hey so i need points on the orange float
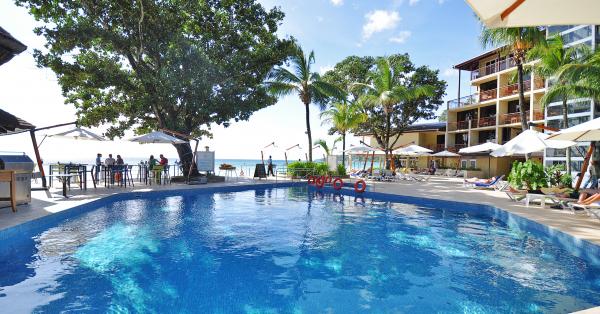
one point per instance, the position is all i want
(320, 182)
(362, 185)
(337, 184)
(311, 180)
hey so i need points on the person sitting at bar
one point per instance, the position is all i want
(119, 161)
(164, 162)
(98, 166)
(151, 162)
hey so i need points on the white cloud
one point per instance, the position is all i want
(449, 72)
(337, 3)
(324, 69)
(401, 37)
(414, 2)
(378, 21)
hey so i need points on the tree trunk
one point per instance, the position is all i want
(522, 99)
(185, 156)
(306, 106)
(387, 140)
(566, 125)
(344, 149)
(521, 86)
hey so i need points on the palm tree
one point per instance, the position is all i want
(515, 41)
(323, 144)
(302, 81)
(385, 89)
(344, 116)
(553, 56)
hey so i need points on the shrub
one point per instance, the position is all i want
(529, 175)
(303, 168)
(554, 174)
(341, 170)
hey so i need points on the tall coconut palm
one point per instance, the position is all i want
(344, 116)
(302, 81)
(385, 89)
(553, 56)
(515, 41)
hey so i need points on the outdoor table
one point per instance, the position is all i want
(66, 179)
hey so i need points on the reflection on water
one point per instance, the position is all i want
(288, 250)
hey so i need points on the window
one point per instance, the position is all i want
(580, 106)
(472, 163)
(557, 123)
(463, 164)
(576, 35)
(554, 29)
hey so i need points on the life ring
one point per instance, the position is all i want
(328, 179)
(320, 182)
(362, 184)
(311, 180)
(337, 184)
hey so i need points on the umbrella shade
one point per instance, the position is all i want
(585, 132)
(445, 153)
(359, 149)
(10, 124)
(9, 46)
(79, 134)
(412, 150)
(520, 13)
(529, 141)
(485, 147)
(157, 137)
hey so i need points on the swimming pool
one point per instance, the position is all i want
(286, 250)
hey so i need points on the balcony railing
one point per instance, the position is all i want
(498, 66)
(515, 117)
(488, 94)
(485, 121)
(513, 89)
(456, 147)
(463, 101)
(461, 125)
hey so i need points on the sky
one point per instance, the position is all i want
(436, 33)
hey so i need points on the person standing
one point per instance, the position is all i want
(110, 161)
(270, 167)
(98, 166)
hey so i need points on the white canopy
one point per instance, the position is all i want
(481, 148)
(157, 137)
(445, 153)
(518, 13)
(359, 150)
(529, 141)
(412, 150)
(585, 132)
(79, 134)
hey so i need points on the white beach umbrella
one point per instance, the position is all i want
(585, 132)
(157, 137)
(359, 150)
(527, 142)
(481, 148)
(519, 13)
(412, 150)
(79, 134)
(445, 153)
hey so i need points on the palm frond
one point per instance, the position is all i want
(280, 89)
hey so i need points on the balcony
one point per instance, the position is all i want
(488, 95)
(515, 117)
(513, 89)
(485, 122)
(499, 65)
(463, 101)
(456, 147)
(461, 125)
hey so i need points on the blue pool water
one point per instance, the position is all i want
(287, 250)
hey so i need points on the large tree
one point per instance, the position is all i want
(147, 64)
(396, 95)
(308, 85)
(515, 42)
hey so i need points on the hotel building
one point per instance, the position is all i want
(490, 110)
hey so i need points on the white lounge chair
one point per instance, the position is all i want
(591, 210)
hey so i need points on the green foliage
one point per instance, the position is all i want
(554, 174)
(443, 117)
(529, 175)
(341, 170)
(308, 85)
(566, 180)
(303, 168)
(180, 65)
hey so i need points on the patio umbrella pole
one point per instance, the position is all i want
(585, 165)
(38, 158)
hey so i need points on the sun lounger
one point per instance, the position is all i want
(516, 195)
(591, 210)
(494, 184)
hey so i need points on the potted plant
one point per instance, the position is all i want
(528, 175)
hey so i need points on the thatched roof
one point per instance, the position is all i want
(9, 46)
